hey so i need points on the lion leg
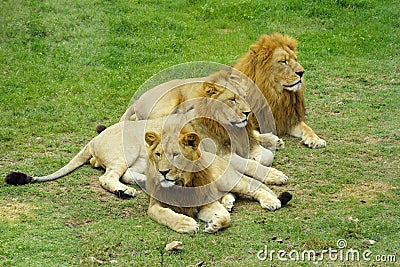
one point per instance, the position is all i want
(269, 140)
(130, 114)
(110, 181)
(175, 221)
(135, 178)
(256, 190)
(307, 135)
(216, 216)
(94, 163)
(228, 201)
(252, 168)
(263, 156)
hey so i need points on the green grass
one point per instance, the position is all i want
(67, 65)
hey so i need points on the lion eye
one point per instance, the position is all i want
(233, 99)
(283, 61)
(174, 155)
(158, 154)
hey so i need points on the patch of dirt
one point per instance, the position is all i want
(364, 191)
(12, 212)
(78, 222)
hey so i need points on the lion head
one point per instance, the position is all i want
(166, 158)
(272, 64)
(228, 107)
(222, 114)
(177, 174)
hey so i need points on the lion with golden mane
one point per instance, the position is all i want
(185, 183)
(272, 64)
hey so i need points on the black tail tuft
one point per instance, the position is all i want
(18, 178)
(100, 128)
(285, 197)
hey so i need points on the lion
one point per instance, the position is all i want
(164, 99)
(119, 149)
(272, 64)
(180, 194)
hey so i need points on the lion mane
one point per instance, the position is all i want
(287, 106)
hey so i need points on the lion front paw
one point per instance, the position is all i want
(219, 221)
(313, 141)
(276, 177)
(187, 225)
(228, 201)
(270, 202)
(125, 194)
(279, 144)
(94, 163)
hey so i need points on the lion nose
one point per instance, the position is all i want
(300, 73)
(164, 173)
(246, 113)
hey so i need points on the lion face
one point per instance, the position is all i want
(171, 159)
(272, 59)
(286, 71)
(230, 108)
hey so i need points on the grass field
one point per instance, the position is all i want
(66, 66)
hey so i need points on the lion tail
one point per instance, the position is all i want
(19, 178)
(285, 197)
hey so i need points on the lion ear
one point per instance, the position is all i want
(151, 138)
(210, 88)
(255, 48)
(190, 139)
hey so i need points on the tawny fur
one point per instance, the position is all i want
(172, 205)
(287, 107)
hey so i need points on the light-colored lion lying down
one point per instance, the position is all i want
(183, 185)
(225, 109)
(227, 86)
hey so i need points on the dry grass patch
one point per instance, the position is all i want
(365, 191)
(13, 212)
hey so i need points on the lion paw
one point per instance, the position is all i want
(313, 142)
(279, 144)
(212, 226)
(187, 225)
(276, 177)
(125, 194)
(270, 203)
(228, 201)
(218, 222)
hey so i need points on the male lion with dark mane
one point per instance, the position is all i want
(272, 64)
